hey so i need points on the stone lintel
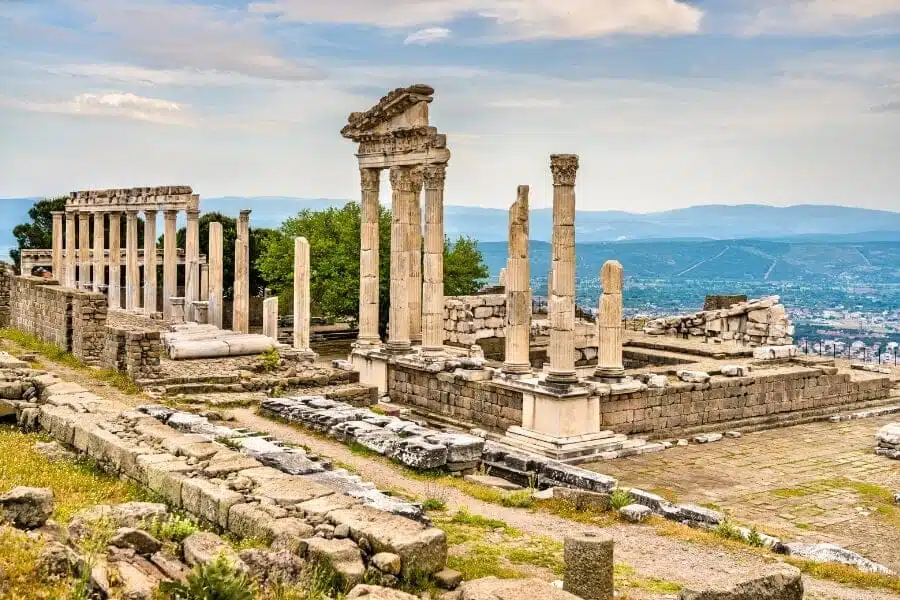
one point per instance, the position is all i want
(386, 161)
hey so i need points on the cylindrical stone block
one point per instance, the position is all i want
(609, 323)
(398, 330)
(433, 271)
(368, 258)
(270, 318)
(57, 265)
(215, 258)
(114, 295)
(301, 293)
(204, 282)
(149, 264)
(191, 262)
(170, 262)
(517, 280)
(241, 315)
(414, 242)
(589, 566)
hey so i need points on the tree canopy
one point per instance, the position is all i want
(38, 233)
(334, 247)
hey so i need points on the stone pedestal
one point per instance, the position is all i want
(562, 279)
(115, 261)
(84, 251)
(57, 265)
(301, 294)
(372, 365)
(609, 324)
(170, 262)
(433, 283)
(589, 566)
(241, 316)
(201, 312)
(150, 279)
(517, 281)
(398, 326)
(369, 259)
(215, 257)
(132, 270)
(270, 318)
(70, 258)
(177, 308)
(414, 244)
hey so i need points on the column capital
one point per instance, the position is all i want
(57, 213)
(170, 213)
(434, 176)
(563, 167)
(131, 212)
(370, 179)
(148, 212)
(193, 213)
(416, 179)
(246, 213)
(401, 180)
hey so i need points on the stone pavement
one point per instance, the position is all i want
(819, 482)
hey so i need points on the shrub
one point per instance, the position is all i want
(754, 539)
(620, 499)
(216, 580)
(728, 531)
(434, 504)
(269, 360)
(172, 528)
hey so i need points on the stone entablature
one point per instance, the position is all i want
(161, 198)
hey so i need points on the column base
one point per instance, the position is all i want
(568, 449)
(609, 374)
(367, 342)
(394, 347)
(516, 368)
(560, 381)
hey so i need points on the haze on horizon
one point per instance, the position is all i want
(669, 103)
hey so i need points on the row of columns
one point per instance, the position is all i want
(78, 270)
(416, 293)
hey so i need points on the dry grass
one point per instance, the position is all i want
(21, 578)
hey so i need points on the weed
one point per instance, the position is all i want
(464, 517)
(216, 580)
(172, 528)
(754, 539)
(19, 565)
(620, 499)
(120, 381)
(728, 531)
(434, 504)
(846, 574)
(518, 499)
(229, 442)
(626, 577)
(269, 360)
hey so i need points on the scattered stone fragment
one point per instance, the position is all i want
(830, 553)
(681, 442)
(491, 588)
(137, 539)
(26, 507)
(733, 434)
(342, 556)
(53, 451)
(693, 513)
(692, 376)
(705, 438)
(448, 579)
(56, 559)
(203, 547)
(736, 370)
(375, 592)
(491, 481)
(387, 562)
(635, 513)
(781, 582)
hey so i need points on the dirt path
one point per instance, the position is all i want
(651, 554)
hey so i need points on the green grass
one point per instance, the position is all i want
(20, 577)
(430, 504)
(791, 492)
(76, 484)
(120, 381)
(620, 499)
(846, 574)
(464, 517)
(626, 577)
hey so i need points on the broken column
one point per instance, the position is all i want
(204, 282)
(98, 280)
(588, 567)
(57, 260)
(301, 294)
(433, 271)
(517, 280)
(132, 270)
(170, 262)
(191, 262)
(414, 241)
(115, 261)
(270, 318)
(215, 274)
(177, 311)
(149, 263)
(84, 250)
(562, 283)
(368, 259)
(241, 314)
(70, 250)
(398, 326)
(609, 323)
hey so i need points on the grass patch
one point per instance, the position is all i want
(434, 504)
(790, 492)
(464, 517)
(620, 499)
(32, 343)
(482, 560)
(120, 381)
(569, 510)
(76, 484)
(21, 577)
(246, 543)
(846, 574)
(626, 577)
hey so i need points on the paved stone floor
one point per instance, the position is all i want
(819, 482)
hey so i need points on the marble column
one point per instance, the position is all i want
(609, 323)
(270, 318)
(114, 296)
(433, 264)
(241, 316)
(414, 246)
(191, 263)
(132, 268)
(170, 261)
(149, 265)
(368, 258)
(84, 251)
(562, 284)
(517, 280)
(70, 250)
(57, 257)
(215, 274)
(204, 282)
(401, 191)
(301, 294)
(98, 280)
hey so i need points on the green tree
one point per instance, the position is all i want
(333, 236)
(38, 233)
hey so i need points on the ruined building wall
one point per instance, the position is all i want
(6, 275)
(88, 326)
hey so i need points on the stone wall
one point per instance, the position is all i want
(135, 353)
(6, 275)
(763, 397)
(42, 308)
(88, 326)
(463, 395)
(470, 319)
(757, 322)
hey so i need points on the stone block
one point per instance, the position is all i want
(781, 582)
(589, 566)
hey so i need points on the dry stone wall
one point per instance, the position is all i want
(135, 353)
(88, 326)
(757, 322)
(6, 275)
(469, 319)
(42, 308)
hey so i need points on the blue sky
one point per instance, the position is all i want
(669, 103)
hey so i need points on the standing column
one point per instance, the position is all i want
(115, 261)
(401, 190)
(84, 250)
(191, 263)
(562, 284)
(301, 294)
(149, 265)
(414, 241)
(241, 316)
(368, 258)
(57, 258)
(132, 269)
(99, 279)
(170, 262)
(215, 274)
(204, 282)
(70, 250)
(517, 280)
(433, 284)
(609, 323)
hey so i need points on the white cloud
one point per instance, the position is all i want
(519, 19)
(123, 105)
(427, 35)
(526, 103)
(830, 17)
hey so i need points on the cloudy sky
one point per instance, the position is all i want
(669, 102)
